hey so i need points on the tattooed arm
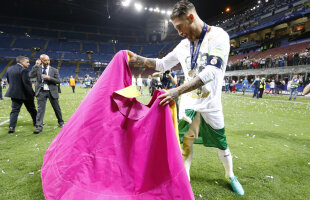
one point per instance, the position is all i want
(174, 93)
(139, 61)
(306, 90)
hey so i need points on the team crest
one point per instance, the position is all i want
(214, 61)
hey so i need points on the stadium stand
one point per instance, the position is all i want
(29, 43)
(5, 41)
(3, 64)
(90, 46)
(67, 69)
(85, 68)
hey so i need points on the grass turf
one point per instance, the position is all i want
(269, 139)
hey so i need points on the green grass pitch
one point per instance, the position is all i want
(269, 139)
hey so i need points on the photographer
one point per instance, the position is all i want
(168, 79)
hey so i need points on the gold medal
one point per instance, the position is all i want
(191, 73)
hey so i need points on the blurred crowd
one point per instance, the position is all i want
(262, 8)
(281, 60)
(259, 85)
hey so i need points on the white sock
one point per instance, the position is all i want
(226, 159)
(187, 163)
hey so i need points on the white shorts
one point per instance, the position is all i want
(214, 118)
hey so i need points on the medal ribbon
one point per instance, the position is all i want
(194, 55)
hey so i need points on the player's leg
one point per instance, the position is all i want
(215, 133)
(291, 94)
(188, 141)
(295, 93)
(226, 158)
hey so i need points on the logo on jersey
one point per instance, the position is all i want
(214, 60)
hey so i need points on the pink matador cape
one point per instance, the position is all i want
(114, 147)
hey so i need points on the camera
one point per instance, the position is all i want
(167, 72)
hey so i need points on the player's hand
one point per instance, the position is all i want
(132, 56)
(46, 77)
(168, 97)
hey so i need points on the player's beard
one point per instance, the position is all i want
(191, 36)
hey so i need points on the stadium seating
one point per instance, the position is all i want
(266, 13)
(53, 55)
(85, 68)
(296, 48)
(151, 48)
(106, 48)
(13, 53)
(3, 64)
(40, 32)
(135, 48)
(5, 41)
(90, 46)
(119, 47)
(67, 69)
(29, 43)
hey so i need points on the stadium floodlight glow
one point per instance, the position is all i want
(138, 7)
(145, 8)
(163, 12)
(266, 1)
(151, 9)
(169, 12)
(156, 10)
(125, 3)
(258, 1)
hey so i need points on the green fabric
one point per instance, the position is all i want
(208, 136)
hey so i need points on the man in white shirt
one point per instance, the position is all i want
(203, 56)
(133, 80)
(272, 87)
(140, 83)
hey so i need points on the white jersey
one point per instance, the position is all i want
(133, 81)
(207, 99)
(139, 82)
(289, 85)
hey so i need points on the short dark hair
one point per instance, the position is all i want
(181, 8)
(21, 58)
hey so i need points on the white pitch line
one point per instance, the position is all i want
(4, 122)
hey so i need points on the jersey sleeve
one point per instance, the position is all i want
(169, 61)
(217, 56)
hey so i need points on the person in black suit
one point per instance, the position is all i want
(1, 89)
(46, 88)
(20, 91)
